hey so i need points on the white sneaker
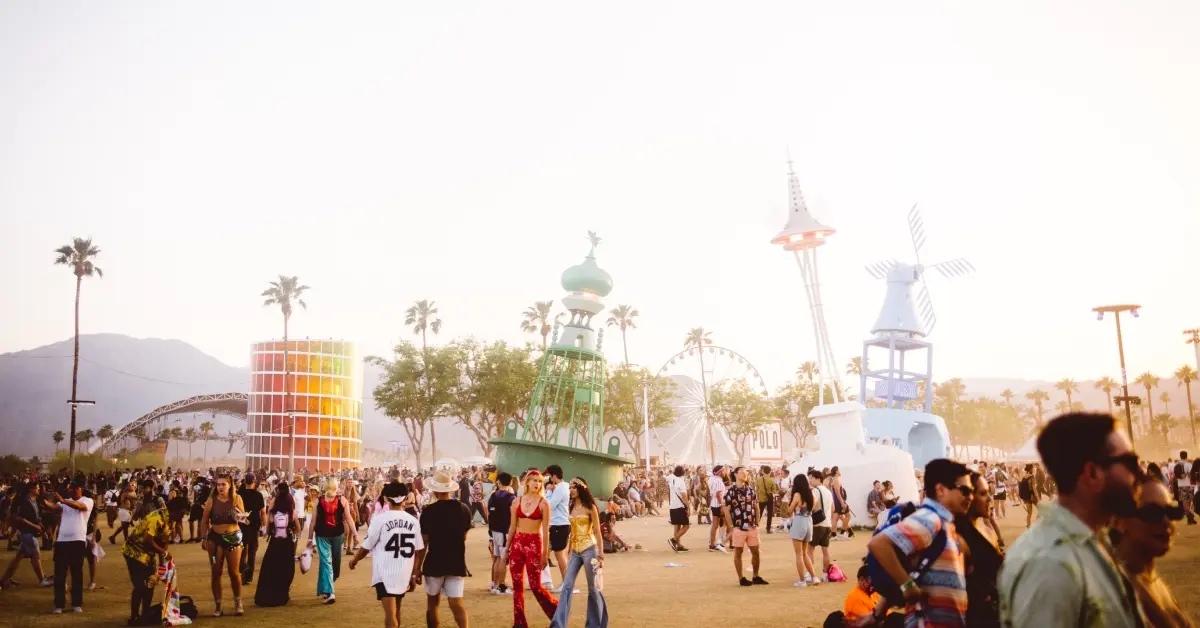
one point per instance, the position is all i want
(46, 582)
(721, 548)
(78, 609)
(800, 584)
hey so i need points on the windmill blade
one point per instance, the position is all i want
(925, 307)
(879, 270)
(954, 268)
(916, 228)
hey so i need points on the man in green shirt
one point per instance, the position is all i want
(766, 488)
(1061, 572)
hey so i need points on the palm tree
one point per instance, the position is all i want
(536, 320)
(854, 366)
(808, 371)
(1108, 386)
(79, 255)
(1148, 381)
(104, 433)
(283, 293)
(85, 437)
(189, 435)
(696, 339)
(1007, 395)
(1069, 388)
(1186, 375)
(622, 317)
(1038, 397)
(58, 437)
(422, 315)
(206, 432)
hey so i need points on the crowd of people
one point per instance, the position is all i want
(1098, 518)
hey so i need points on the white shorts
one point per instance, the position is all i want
(450, 586)
(499, 547)
(124, 516)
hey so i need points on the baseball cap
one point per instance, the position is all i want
(395, 492)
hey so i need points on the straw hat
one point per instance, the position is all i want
(441, 482)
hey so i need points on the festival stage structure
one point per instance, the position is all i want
(564, 423)
(323, 398)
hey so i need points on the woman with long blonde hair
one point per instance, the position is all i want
(222, 539)
(529, 546)
(332, 524)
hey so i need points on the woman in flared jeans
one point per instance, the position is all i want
(586, 553)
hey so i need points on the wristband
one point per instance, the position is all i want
(909, 584)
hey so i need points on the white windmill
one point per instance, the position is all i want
(902, 328)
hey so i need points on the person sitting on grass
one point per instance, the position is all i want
(859, 608)
(608, 529)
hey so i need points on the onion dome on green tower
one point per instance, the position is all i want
(587, 276)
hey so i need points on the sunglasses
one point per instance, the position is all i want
(1157, 513)
(1127, 460)
(966, 490)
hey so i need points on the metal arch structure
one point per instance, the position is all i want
(697, 421)
(231, 404)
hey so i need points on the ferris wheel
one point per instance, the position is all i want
(697, 373)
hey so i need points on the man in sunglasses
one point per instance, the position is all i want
(937, 594)
(1062, 571)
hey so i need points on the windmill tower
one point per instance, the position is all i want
(803, 235)
(900, 330)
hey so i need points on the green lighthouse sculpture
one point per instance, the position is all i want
(564, 423)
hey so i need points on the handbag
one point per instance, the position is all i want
(305, 560)
(819, 515)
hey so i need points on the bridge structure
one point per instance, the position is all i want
(232, 404)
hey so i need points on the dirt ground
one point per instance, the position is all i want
(640, 587)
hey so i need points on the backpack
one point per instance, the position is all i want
(1025, 489)
(153, 615)
(880, 579)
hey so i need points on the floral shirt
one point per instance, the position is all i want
(477, 491)
(153, 525)
(742, 502)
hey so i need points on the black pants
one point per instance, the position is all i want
(68, 555)
(142, 595)
(249, 551)
(768, 510)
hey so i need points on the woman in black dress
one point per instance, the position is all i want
(279, 562)
(983, 557)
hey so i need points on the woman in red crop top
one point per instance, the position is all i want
(528, 543)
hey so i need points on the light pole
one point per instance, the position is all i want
(1194, 339)
(75, 403)
(1124, 398)
(646, 418)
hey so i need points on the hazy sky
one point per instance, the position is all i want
(460, 151)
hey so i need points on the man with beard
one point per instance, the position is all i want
(1062, 571)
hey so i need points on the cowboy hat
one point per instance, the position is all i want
(441, 482)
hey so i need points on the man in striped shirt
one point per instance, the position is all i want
(938, 597)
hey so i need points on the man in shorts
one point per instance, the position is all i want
(741, 515)
(716, 497)
(395, 544)
(677, 502)
(125, 506)
(499, 518)
(558, 494)
(823, 531)
(444, 527)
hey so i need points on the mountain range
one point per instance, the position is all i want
(128, 377)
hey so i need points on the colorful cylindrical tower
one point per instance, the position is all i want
(323, 396)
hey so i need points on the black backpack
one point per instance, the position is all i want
(153, 615)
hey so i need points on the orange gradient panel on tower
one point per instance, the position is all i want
(323, 394)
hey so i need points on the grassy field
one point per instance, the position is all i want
(640, 588)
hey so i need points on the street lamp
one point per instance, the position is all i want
(1125, 398)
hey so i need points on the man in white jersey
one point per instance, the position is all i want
(396, 548)
(71, 544)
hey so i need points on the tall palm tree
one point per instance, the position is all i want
(808, 371)
(189, 435)
(104, 433)
(696, 339)
(1186, 375)
(423, 316)
(283, 293)
(622, 317)
(206, 432)
(536, 320)
(80, 256)
(1007, 395)
(58, 437)
(1148, 381)
(1069, 388)
(85, 437)
(1108, 385)
(854, 366)
(1038, 397)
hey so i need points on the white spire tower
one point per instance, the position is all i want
(802, 235)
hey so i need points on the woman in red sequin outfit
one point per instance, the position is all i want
(528, 546)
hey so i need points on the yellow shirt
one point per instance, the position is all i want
(137, 547)
(581, 533)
